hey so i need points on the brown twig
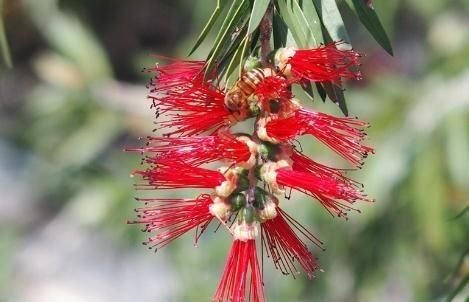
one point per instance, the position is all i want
(265, 34)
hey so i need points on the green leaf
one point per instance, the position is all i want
(336, 94)
(370, 20)
(280, 31)
(216, 13)
(314, 21)
(332, 19)
(236, 18)
(258, 12)
(296, 28)
(462, 213)
(4, 49)
(322, 93)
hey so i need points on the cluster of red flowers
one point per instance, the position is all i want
(242, 194)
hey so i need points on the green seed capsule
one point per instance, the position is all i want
(237, 201)
(247, 214)
(243, 184)
(260, 196)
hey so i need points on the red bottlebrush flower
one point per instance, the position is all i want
(194, 109)
(170, 174)
(322, 64)
(274, 94)
(200, 150)
(284, 246)
(171, 218)
(341, 134)
(232, 286)
(332, 193)
(303, 163)
(174, 75)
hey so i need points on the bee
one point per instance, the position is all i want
(237, 97)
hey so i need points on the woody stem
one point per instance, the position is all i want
(265, 34)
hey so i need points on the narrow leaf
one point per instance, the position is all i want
(230, 30)
(336, 94)
(313, 20)
(370, 20)
(332, 20)
(322, 93)
(216, 13)
(295, 27)
(280, 31)
(4, 49)
(258, 12)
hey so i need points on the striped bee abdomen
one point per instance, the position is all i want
(237, 97)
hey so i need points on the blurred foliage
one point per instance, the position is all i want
(75, 98)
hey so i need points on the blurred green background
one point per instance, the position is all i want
(76, 97)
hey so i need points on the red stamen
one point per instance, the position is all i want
(197, 150)
(325, 64)
(341, 134)
(281, 242)
(334, 194)
(232, 286)
(169, 174)
(171, 218)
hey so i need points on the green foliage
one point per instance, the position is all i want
(4, 50)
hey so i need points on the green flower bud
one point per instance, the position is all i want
(237, 201)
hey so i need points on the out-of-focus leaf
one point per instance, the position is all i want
(65, 32)
(213, 18)
(462, 213)
(336, 94)
(332, 19)
(458, 289)
(370, 20)
(4, 49)
(258, 11)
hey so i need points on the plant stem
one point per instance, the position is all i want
(265, 34)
